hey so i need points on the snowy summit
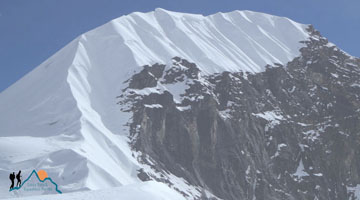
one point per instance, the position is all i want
(64, 114)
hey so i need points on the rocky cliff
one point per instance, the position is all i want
(290, 132)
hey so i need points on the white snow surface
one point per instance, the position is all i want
(300, 171)
(63, 116)
(234, 41)
(355, 191)
(273, 117)
(148, 190)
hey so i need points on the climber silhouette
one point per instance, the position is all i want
(12, 178)
(18, 178)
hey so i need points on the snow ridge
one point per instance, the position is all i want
(67, 105)
(234, 41)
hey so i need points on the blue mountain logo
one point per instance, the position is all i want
(41, 176)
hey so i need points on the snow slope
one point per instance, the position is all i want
(63, 115)
(148, 190)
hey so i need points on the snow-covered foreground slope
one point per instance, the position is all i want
(63, 116)
(149, 190)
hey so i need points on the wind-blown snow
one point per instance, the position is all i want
(63, 116)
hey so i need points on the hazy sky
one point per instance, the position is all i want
(33, 30)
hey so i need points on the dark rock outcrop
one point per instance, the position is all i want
(291, 132)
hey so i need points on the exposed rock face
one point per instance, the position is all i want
(291, 132)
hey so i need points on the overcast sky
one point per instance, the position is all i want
(31, 31)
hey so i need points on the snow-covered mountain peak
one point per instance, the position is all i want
(67, 106)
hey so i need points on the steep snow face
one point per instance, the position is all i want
(239, 40)
(64, 113)
(93, 66)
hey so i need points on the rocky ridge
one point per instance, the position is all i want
(290, 132)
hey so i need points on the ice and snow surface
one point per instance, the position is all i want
(148, 190)
(273, 117)
(300, 171)
(355, 191)
(239, 40)
(63, 116)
